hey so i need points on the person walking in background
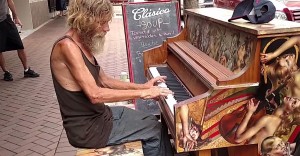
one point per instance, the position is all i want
(61, 5)
(11, 40)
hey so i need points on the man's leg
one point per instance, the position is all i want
(2, 62)
(130, 125)
(23, 58)
(27, 71)
(7, 75)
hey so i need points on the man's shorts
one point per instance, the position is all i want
(9, 36)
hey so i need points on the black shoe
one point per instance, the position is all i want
(30, 73)
(8, 76)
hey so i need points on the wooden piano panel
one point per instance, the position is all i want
(217, 98)
(189, 79)
(222, 43)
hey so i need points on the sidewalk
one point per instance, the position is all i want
(30, 121)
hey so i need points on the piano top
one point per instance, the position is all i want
(221, 16)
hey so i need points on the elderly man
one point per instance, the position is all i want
(82, 87)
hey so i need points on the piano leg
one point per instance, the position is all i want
(203, 153)
(246, 150)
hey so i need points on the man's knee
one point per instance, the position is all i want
(155, 130)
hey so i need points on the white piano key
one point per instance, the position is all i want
(154, 72)
(170, 100)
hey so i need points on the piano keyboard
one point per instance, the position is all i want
(180, 93)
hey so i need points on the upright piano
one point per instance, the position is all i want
(213, 66)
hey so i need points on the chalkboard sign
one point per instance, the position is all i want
(146, 26)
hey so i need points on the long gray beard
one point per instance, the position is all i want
(97, 45)
(94, 44)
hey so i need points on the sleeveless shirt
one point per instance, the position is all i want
(87, 125)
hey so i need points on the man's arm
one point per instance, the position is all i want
(285, 46)
(252, 131)
(12, 7)
(112, 83)
(72, 58)
(188, 141)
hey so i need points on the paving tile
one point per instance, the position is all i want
(55, 115)
(29, 140)
(36, 154)
(14, 140)
(50, 130)
(25, 153)
(65, 149)
(25, 147)
(4, 116)
(43, 142)
(71, 153)
(18, 134)
(53, 145)
(25, 123)
(50, 153)
(5, 152)
(64, 144)
(32, 134)
(46, 136)
(8, 145)
(51, 125)
(40, 149)
(55, 139)
(53, 120)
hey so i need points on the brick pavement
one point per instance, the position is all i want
(30, 121)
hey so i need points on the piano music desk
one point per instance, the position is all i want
(217, 66)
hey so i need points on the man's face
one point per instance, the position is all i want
(95, 39)
(98, 38)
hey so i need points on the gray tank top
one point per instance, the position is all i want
(3, 10)
(87, 125)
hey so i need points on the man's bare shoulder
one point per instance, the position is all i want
(66, 45)
(65, 50)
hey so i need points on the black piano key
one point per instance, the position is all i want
(180, 93)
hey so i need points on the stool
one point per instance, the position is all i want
(126, 149)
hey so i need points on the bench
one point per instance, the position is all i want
(126, 149)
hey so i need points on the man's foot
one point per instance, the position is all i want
(8, 76)
(30, 73)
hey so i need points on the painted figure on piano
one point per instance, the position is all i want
(282, 118)
(281, 63)
(230, 48)
(225, 59)
(279, 123)
(275, 146)
(189, 135)
(230, 104)
(199, 36)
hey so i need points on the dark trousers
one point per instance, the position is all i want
(130, 125)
